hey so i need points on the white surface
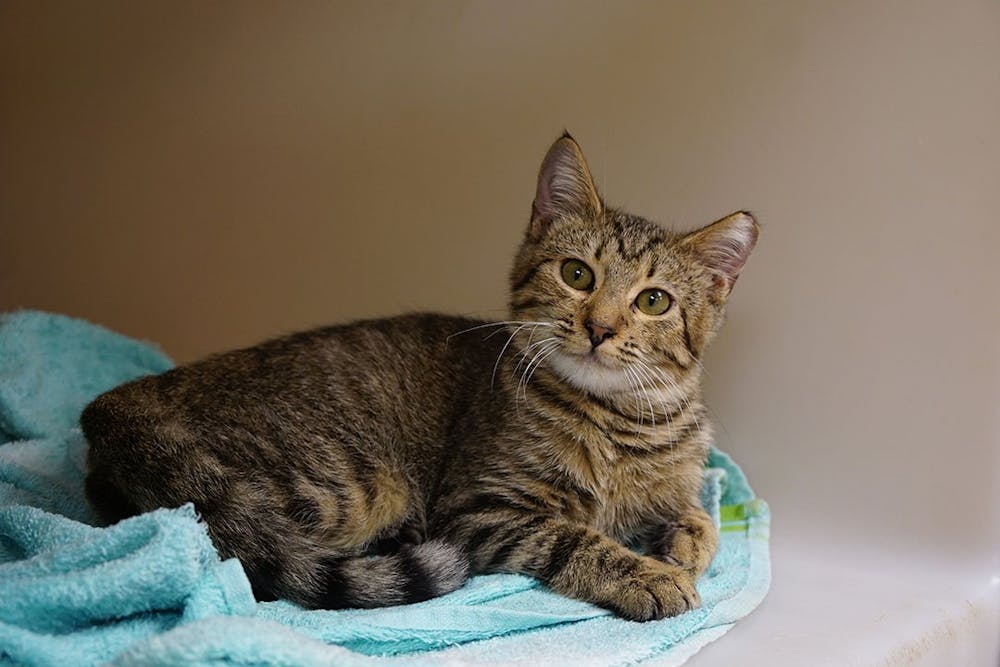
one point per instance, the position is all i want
(847, 604)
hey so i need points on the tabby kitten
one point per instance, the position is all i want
(382, 462)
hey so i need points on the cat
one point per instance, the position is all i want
(382, 462)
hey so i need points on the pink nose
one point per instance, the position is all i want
(598, 332)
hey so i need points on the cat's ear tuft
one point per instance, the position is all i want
(724, 246)
(565, 186)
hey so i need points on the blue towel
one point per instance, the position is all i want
(152, 590)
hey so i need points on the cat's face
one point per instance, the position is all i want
(622, 304)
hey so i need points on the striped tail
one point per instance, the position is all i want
(412, 574)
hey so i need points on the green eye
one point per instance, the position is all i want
(653, 301)
(577, 274)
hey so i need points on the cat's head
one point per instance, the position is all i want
(623, 301)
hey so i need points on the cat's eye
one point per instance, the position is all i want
(577, 274)
(653, 301)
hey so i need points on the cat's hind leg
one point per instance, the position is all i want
(284, 561)
(102, 425)
(107, 500)
(323, 542)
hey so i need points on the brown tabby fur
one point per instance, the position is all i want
(383, 461)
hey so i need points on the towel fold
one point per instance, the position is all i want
(152, 590)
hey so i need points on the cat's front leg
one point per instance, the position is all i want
(578, 562)
(689, 541)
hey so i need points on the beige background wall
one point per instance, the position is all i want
(209, 174)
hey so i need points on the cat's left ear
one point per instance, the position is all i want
(723, 247)
(565, 186)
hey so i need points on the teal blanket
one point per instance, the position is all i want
(152, 590)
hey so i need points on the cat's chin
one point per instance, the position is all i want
(590, 373)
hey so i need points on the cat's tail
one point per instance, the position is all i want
(412, 574)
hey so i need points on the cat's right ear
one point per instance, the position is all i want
(723, 248)
(565, 187)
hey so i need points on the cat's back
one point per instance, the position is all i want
(367, 350)
(390, 371)
(303, 403)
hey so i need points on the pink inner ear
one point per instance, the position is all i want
(733, 254)
(725, 246)
(565, 185)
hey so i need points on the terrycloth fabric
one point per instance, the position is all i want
(151, 590)
(52, 366)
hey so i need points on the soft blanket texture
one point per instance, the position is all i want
(151, 590)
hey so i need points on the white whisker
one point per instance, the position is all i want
(504, 349)
(645, 394)
(642, 372)
(675, 388)
(538, 363)
(630, 376)
(532, 366)
(527, 366)
(524, 352)
(659, 387)
(497, 324)
(700, 365)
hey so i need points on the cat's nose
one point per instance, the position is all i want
(598, 332)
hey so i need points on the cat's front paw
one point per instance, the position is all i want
(655, 592)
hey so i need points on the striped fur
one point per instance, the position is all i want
(383, 461)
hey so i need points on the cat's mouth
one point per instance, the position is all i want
(596, 357)
(592, 371)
